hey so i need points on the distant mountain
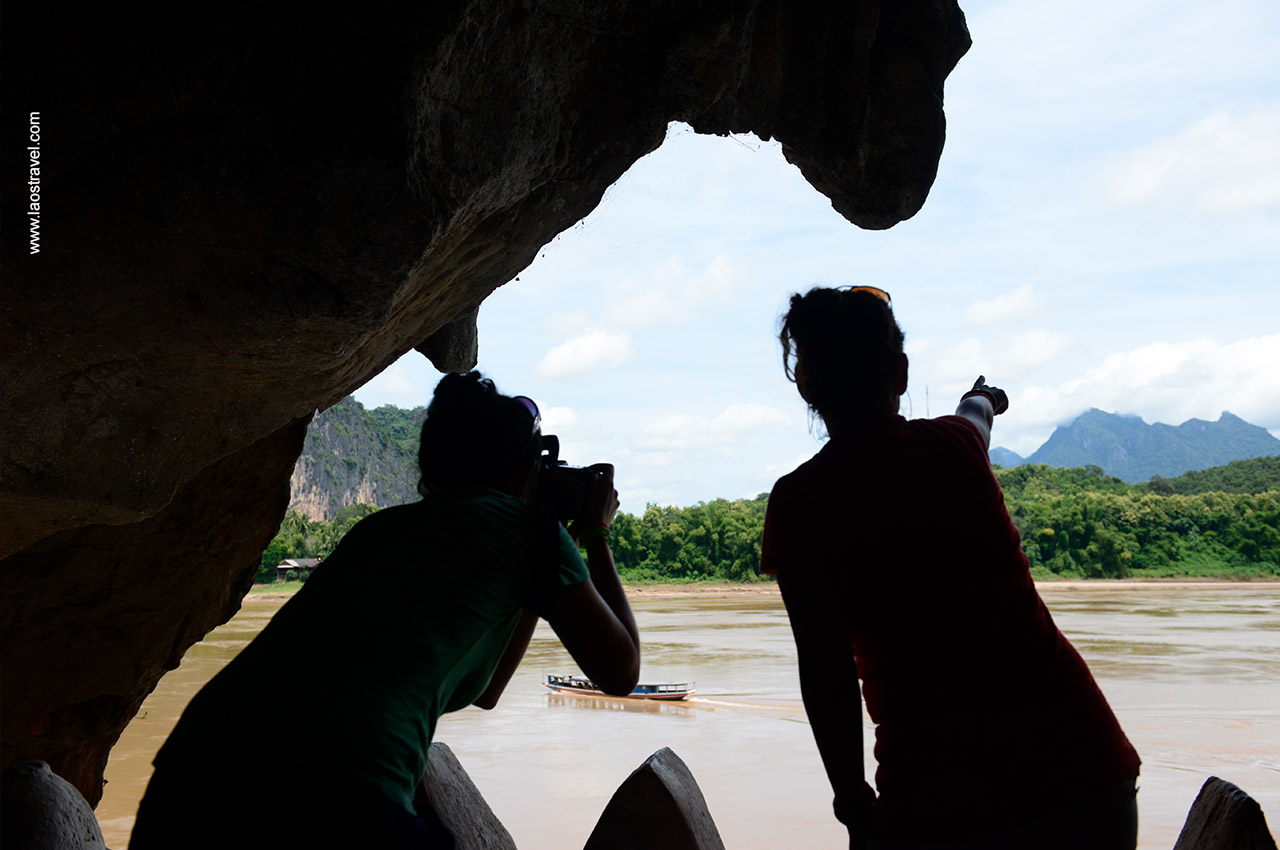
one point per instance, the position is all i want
(1129, 448)
(357, 456)
(1008, 458)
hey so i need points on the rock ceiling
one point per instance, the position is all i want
(246, 217)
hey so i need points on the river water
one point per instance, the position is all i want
(1192, 673)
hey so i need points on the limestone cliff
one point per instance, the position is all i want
(357, 456)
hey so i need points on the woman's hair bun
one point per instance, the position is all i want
(461, 387)
(473, 435)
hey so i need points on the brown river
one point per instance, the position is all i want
(1193, 674)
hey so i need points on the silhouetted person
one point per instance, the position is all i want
(316, 734)
(899, 566)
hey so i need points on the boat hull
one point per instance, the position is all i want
(584, 687)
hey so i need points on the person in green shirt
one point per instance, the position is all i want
(422, 609)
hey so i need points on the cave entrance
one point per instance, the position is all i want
(646, 332)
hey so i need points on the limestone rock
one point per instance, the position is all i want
(248, 217)
(80, 659)
(1224, 818)
(458, 805)
(660, 802)
(456, 346)
(40, 810)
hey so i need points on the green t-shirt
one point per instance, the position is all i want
(405, 621)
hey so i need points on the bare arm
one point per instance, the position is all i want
(832, 696)
(982, 404)
(977, 409)
(593, 618)
(510, 660)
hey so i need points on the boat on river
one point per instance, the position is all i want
(656, 690)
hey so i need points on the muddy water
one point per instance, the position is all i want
(1193, 674)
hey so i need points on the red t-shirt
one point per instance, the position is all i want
(985, 714)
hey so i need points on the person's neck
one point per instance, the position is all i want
(840, 427)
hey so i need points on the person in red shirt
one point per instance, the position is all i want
(905, 582)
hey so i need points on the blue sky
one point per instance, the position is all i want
(1104, 232)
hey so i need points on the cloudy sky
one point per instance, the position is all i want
(1104, 232)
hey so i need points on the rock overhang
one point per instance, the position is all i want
(250, 216)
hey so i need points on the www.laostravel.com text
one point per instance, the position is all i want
(33, 182)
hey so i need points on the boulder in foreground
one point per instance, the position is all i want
(1224, 818)
(40, 810)
(458, 805)
(660, 803)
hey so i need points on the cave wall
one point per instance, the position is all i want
(248, 215)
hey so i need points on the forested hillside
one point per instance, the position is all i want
(1075, 523)
(1082, 522)
(1256, 475)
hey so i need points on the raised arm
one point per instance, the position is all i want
(981, 405)
(593, 618)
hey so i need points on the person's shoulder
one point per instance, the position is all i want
(389, 516)
(478, 500)
(797, 479)
(952, 428)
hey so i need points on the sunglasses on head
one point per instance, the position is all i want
(874, 291)
(532, 408)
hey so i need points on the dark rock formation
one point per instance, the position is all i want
(660, 798)
(40, 810)
(248, 215)
(93, 617)
(448, 792)
(1224, 818)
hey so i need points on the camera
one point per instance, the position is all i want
(560, 485)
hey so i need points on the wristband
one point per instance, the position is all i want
(598, 530)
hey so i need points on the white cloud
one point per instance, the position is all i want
(556, 418)
(566, 322)
(689, 431)
(1018, 305)
(408, 382)
(1223, 162)
(673, 294)
(951, 368)
(586, 353)
(1164, 382)
(774, 471)
(1033, 349)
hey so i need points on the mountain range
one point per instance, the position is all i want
(358, 456)
(1130, 449)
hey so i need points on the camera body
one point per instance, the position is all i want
(560, 485)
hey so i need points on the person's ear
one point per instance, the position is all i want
(900, 375)
(800, 380)
(524, 483)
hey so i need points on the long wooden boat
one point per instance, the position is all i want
(657, 690)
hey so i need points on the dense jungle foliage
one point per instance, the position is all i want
(1075, 523)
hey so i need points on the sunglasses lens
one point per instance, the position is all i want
(532, 408)
(872, 290)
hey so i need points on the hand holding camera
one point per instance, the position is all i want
(601, 503)
(581, 494)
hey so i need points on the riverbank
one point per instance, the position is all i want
(724, 590)
(731, 590)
